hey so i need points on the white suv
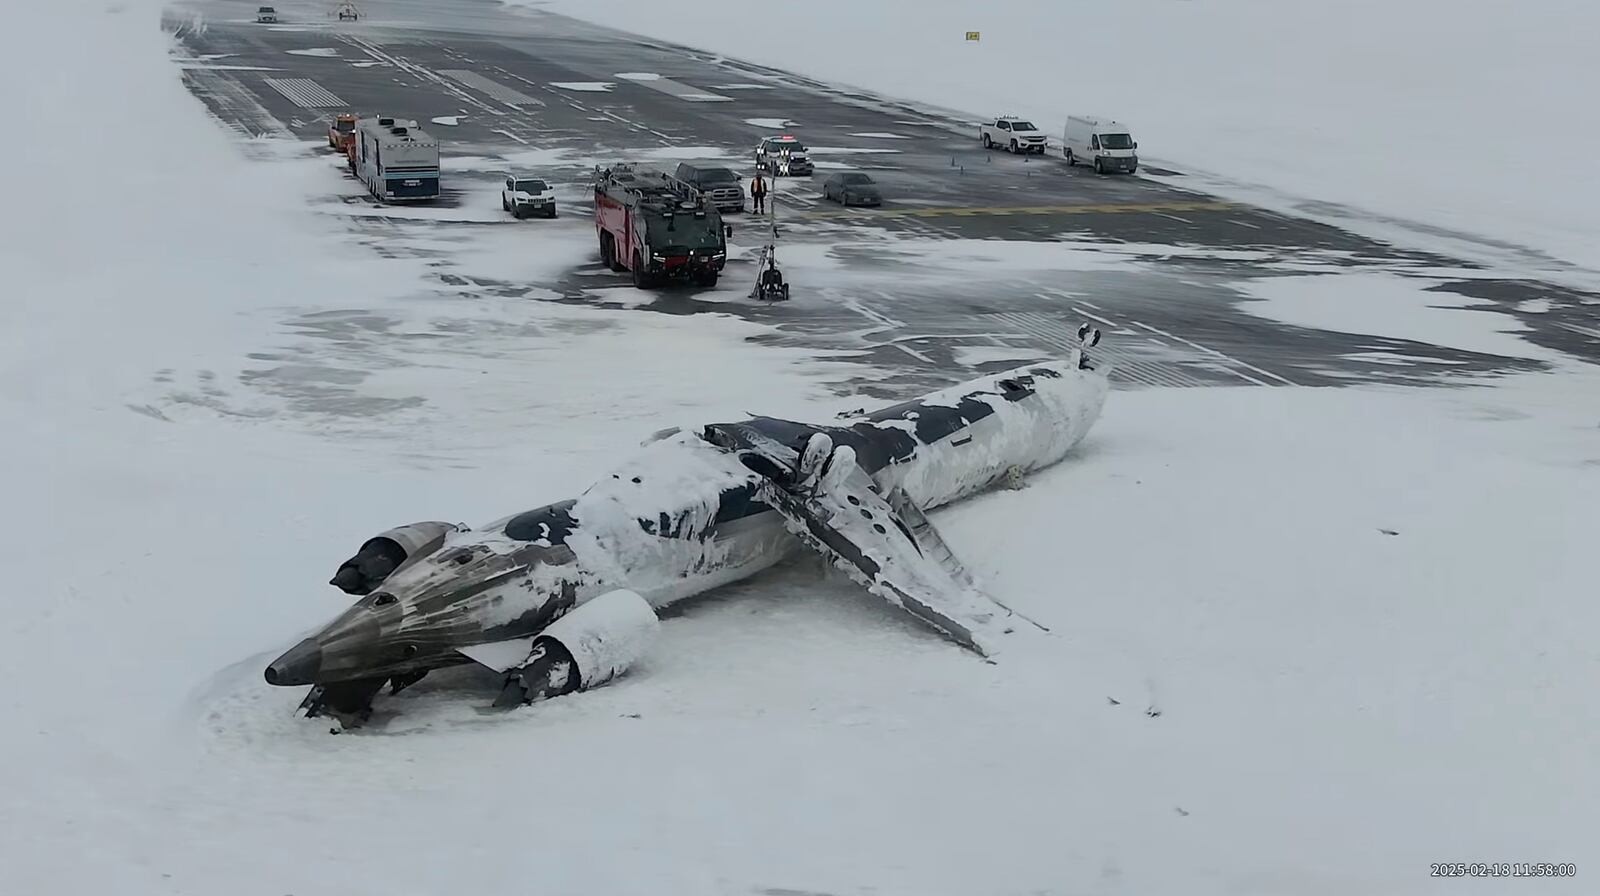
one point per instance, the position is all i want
(1013, 134)
(523, 196)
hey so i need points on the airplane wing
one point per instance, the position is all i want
(885, 544)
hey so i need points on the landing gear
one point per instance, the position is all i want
(350, 702)
(347, 702)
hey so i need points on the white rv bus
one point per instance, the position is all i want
(1101, 142)
(398, 161)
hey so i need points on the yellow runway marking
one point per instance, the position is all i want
(1112, 208)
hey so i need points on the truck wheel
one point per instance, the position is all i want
(987, 143)
(605, 252)
(708, 279)
(1070, 160)
(1013, 147)
(641, 280)
(1099, 168)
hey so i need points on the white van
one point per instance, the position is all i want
(1102, 142)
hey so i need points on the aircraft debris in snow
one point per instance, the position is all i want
(564, 597)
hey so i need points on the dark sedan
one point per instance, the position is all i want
(852, 188)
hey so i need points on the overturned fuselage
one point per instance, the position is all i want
(562, 597)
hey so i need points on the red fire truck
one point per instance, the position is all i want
(659, 229)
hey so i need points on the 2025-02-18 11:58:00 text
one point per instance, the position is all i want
(1503, 869)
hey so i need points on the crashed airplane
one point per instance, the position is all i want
(564, 598)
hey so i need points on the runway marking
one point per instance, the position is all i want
(420, 72)
(1095, 317)
(1586, 331)
(1052, 293)
(992, 337)
(680, 90)
(1157, 208)
(1173, 217)
(886, 319)
(1244, 224)
(1065, 338)
(912, 352)
(305, 93)
(883, 321)
(507, 133)
(1214, 353)
(491, 88)
(238, 104)
(1149, 373)
(581, 107)
(632, 124)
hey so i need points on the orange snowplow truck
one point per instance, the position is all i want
(342, 133)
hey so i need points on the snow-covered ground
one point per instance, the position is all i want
(1465, 116)
(1305, 641)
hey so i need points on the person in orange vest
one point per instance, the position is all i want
(758, 191)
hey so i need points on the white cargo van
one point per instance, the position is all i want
(1101, 142)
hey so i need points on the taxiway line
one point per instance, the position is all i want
(1215, 354)
(1111, 208)
(1124, 364)
(421, 72)
(1577, 328)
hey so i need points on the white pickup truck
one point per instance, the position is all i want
(1012, 134)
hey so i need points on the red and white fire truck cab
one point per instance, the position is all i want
(660, 230)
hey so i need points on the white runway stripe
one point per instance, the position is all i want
(685, 92)
(490, 87)
(1147, 372)
(305, 93)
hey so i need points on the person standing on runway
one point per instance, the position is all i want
(758, 192)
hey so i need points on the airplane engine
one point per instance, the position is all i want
(386, 552)
(584, 649)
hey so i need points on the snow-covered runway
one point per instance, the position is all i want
(1184, 262)
(1304, 640)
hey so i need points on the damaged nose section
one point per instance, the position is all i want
(298, 666)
